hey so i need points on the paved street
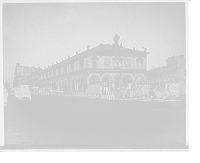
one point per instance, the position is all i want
(73, 122)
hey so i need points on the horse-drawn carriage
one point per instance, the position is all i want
(167, 91)
(122, 91)
(141, 90)
(163, 91)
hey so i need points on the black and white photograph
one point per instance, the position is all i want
(95, 75)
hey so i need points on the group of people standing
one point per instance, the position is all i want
(111, 93)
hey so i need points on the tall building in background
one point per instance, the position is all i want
(173, 72)
(26, 75)
(174, 62)
(18, 74)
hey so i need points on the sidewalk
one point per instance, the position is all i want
(173, 103)
(80, 95)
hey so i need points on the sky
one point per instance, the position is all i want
(41, 34)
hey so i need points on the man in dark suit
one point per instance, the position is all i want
(113, 94)
(109, 94)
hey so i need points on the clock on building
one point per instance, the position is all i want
(127, 62)
(107, 62)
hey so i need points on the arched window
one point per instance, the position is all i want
(57, 72)
(62, 70)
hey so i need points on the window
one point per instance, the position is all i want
(65, 68)
(94, 64)
(117, 65)
(59, 70)
(81, 61)
(82, 65)
(54, 71)
(139, 66)
(72, 66)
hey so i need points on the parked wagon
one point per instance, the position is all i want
(93, 91)
(173, 91)
(35, 90)
(44, 91)
(141, 90)
(137, 93)
(123, 91)
(23, 92)
(145, 89)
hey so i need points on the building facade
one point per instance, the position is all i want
(109, 65)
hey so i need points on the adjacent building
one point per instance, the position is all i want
(173, 72)
(110, 66)
(155, 74)
(26, 75)
(174, 62)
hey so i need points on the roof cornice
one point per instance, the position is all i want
(64, 61)
(118, 52)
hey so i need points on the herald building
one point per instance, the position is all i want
(109, 66)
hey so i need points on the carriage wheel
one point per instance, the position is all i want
(20, 96)
(152, 96)
(91, 96)
(155, 96)
(168, 94)
(165, 95)
(180, 95)
(118, 94)
(141, 93)
(127, 94)
(85, 95)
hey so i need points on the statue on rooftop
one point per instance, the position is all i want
(116, 38)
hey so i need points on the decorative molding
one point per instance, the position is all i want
(107, 61)
(118, 58)
(139, 59)
(94, 58)
(128, 62)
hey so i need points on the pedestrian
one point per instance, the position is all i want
(113, 94)
(109, 94)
